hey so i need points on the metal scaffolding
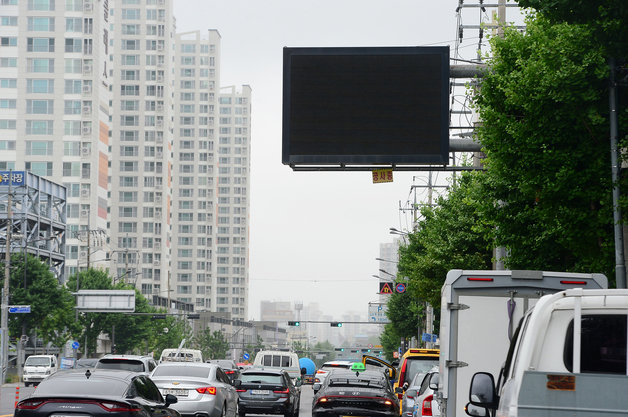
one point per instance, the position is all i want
(37, 218)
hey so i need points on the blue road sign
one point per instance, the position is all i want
(246, 356)
(75, 345)
(15, 178)
(400, 287)
(19, 309)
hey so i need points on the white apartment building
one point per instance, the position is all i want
(142, 51)
(102, 96)
(54, 108)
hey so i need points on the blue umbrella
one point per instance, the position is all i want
(308, 364)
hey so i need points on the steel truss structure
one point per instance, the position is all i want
(38, 220)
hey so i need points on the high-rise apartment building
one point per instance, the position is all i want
(54, 108)
(104, 97)
(141, 143)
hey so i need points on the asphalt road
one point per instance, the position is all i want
(9, 393)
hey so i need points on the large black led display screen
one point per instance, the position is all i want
(371, 105)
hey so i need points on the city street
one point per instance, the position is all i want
(8, 395)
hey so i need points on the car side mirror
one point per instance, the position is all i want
(171, 399)
(237, 382)
(303, 371)
(434, 382)
(482, 392)
(399, 390)
(475, 411)
(316, 388)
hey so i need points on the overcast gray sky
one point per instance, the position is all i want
(314, 236)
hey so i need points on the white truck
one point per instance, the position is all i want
(480, 311)
(568, 359)
(39, 367)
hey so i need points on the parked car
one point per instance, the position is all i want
(39, 367)
(267, 391)
(353, 393)
(327, 367)
(426, 403)
(97, 393)
(202, 389)
(133, 363)
(228, 366)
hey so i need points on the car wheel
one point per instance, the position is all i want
(223, 413)
(241, 413)
(26, 384)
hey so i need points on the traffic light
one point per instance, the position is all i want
(339, 349)
(294, 323)
(335, 324)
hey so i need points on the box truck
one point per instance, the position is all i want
(480, 311)
(567, 359)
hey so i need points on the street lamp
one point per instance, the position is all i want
(382, 278)
(394, 231)
(386, 260)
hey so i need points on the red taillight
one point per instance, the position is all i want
(206, 390)
(240, 390)
(29, 404)
(117, 407)
(426, 407)
(402, 374)
(323, 400)
(321, 372)
(230, 372)
(479, 279)
(286, 391)
(574, 282)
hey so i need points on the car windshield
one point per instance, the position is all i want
(86, 363)
(79, 385)
(33, 361)
(193, 371)
(123, 364)
(419, 365)
(261, 379)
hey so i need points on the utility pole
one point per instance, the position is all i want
(5, 290)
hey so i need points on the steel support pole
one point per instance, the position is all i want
(5, 290)
(620, 266)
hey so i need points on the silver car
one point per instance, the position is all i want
(202, 389)
(426, 403)
(327, 367)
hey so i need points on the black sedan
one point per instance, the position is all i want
(267, 392)
(353, 393)
(97, 393)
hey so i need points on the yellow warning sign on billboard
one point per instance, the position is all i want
(382, 175)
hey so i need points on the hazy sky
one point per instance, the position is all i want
(314, 236)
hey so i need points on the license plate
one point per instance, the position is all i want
(260, 391)
(176, 392)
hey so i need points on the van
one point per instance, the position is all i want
(38, 367)
(289, 361)
(566, 358)
(181, 355)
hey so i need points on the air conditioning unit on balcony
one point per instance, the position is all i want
(85, 151)
(160, 64)
(158, 199)
(159, 154)
(87, 110)
(159, 123)
(87, 69)
(83, 254)
(87, 89)
(86, 131)
(156, 263)
(84, 214)
(88, 6)
(157, 246)
(160, 78)
(85, 193)
(160, 47)
(160, 108)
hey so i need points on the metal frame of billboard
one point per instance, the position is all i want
(436, 57)
(105, 301)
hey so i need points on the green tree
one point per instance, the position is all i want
(214, 345)
(168, 333)
(544, 110)
(52, 305)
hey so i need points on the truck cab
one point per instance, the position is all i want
(38, 367)
(568, 358)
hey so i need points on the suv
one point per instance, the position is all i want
(267, 391)
(133, 363)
